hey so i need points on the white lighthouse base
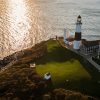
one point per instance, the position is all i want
(76, 45)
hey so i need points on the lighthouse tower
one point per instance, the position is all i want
(77, 40)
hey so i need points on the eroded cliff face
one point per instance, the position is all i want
(26, 55)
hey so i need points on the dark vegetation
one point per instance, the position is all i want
(21, 82)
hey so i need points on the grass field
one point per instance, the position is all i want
(65, 65)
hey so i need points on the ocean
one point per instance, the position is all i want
(24, 23)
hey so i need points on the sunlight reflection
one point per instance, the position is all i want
(19, 25)
(22, 25)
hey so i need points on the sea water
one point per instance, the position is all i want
(24, 23)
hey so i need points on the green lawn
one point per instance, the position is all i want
(65, 65)
(64, 71)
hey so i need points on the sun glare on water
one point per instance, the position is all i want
(19, 25)
(22, 24)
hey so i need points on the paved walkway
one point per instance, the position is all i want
(7, 66)
(94, 63)
(87, 57)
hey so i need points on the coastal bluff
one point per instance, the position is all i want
(26, 55)
(22, 82)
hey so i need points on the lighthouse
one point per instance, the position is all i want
(77, 39)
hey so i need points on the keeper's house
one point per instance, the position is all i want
(89, 47)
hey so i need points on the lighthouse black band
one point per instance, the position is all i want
(78, 36)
